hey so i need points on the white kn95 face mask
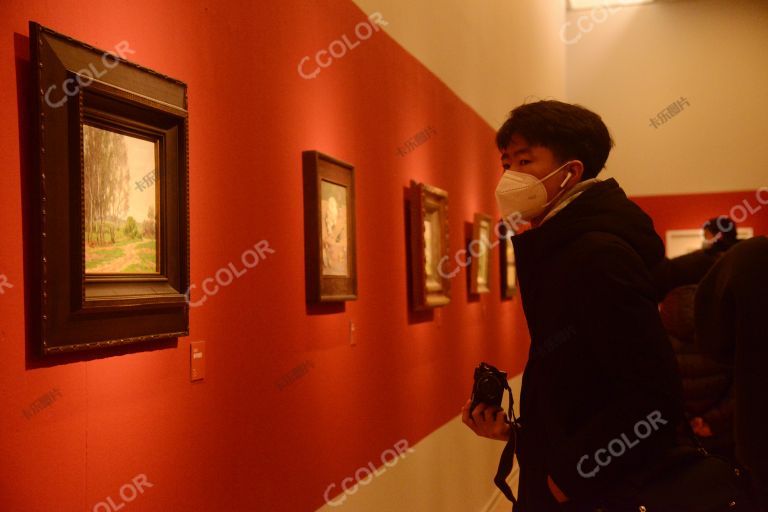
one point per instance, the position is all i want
(524, 194)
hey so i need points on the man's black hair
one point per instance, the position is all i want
(571, 132)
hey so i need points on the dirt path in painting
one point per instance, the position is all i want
(131, 256)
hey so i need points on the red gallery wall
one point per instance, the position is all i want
(239, 441)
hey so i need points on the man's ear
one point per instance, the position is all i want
(576, 170)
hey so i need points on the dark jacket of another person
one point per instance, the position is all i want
(731, 312)
(707, 384)
(600, 361)
(689, 268)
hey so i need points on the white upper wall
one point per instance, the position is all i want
(493, 54)
(638, 60)
(627, 64)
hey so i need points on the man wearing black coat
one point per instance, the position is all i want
(720, 234)
(601, 395)
(707, 384)
(730, 312)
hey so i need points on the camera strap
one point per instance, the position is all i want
(507, 460)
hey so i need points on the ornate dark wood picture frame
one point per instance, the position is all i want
(507, 263)
(429, 246)
(330, 239)
(113, 258)
(480, 251)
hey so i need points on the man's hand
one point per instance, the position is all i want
(487, 421)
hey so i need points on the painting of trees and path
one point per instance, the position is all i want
(120, 203)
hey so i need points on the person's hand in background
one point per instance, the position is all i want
(700, 427)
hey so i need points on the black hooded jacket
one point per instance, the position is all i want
(600, 362)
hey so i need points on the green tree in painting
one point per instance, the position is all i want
(131, 229)
(106, 187)
(148, 226)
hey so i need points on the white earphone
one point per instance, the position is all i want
(567, 178)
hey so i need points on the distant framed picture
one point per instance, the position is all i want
(429, 246)
(111, 196)
(329, 228)
(479, 249)
(507, 260)
(684, 241)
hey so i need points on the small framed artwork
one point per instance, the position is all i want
(111, 195)
(429, 246)
(479, 249)
(329, 228)
(507, 259)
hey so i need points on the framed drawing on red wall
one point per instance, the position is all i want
(430, 284)
(111, 196)
(479, 249)
(329, 228)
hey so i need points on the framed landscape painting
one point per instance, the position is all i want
(329, 228)
(111, 195)
(429, 246)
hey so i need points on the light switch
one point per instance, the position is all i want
(197, 360)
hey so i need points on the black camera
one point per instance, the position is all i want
(489, 386)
